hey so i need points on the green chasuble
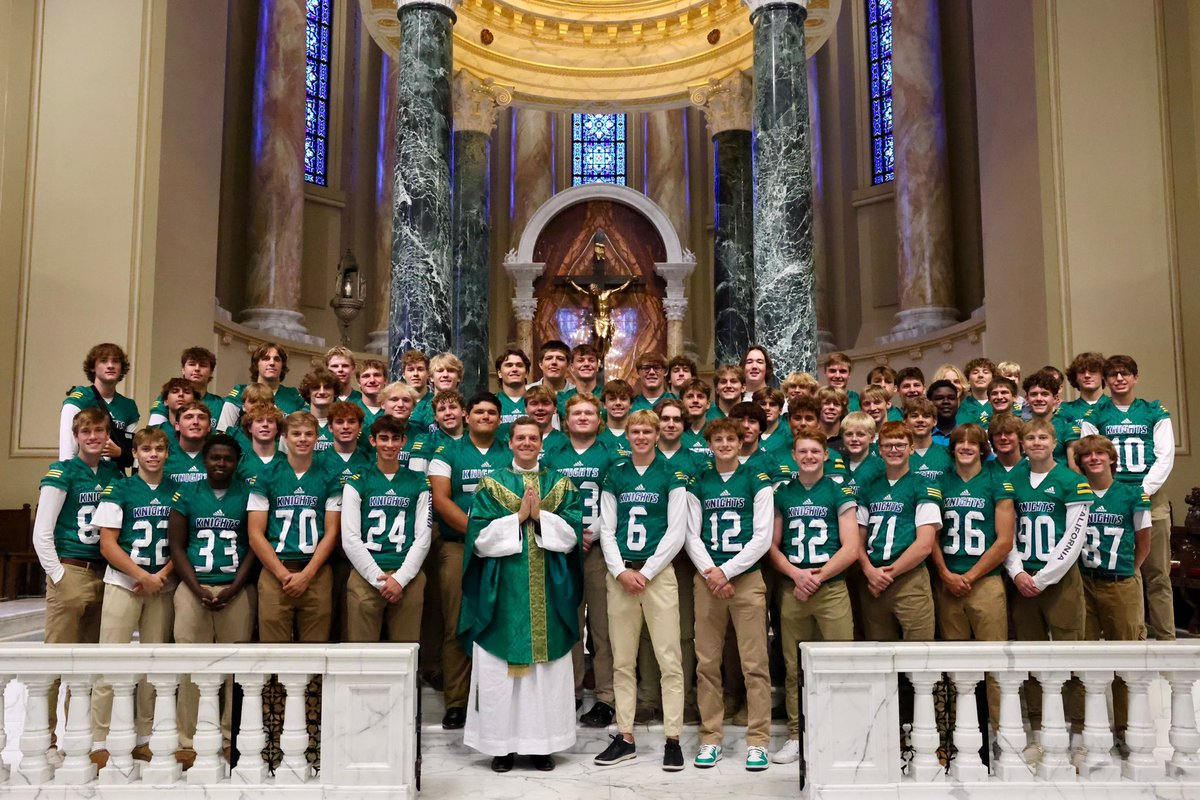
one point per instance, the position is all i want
(522, 608)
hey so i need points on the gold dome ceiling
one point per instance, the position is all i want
(599, 55)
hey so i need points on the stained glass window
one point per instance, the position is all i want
(318, 45)
(598, 148)
(879, 60)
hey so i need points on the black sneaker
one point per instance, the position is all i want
(618, 750)
(600, 716)
(672, 756)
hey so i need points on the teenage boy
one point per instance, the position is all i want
(294, 512)
(255, 396)
(446, 372)
(1002, 395)
(1086, 375)
(730, 388)
(672, 429)
(680, 371)
(105, 366)
(797, 385)
(67, 541)
(386, 522)
(196, 365)
(212, 558)
(268, 365)
(319, 388)
(652, 381)
(834, 404)
(448, 413)
(372, 377)
(899, 514)
(697, 402)
(541, 405)
(398, 400)
(815, 540)
(339, 360)
(862, 462)
(758, 369)
(1041, 390)
(730, 530)
(837, 376)
(929, 460)
(585, 364)
(346, 458)
(553, 361)
(1004, 434)
(975, 406)
(260, 426)
(415, 372)
(876, 402)
(643, 523)
(617, 399)
(882, 375)
(776, 435)
(1141, 432)
(455, 470)
(512, 368)
(945, 398)
(139, 584)
(910, 383)
(185, 463)
(582, 458)
(174, 395)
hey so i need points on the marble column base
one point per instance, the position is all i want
(377, 342)
(916, 322)
(281, 324)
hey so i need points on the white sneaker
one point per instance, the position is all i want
(1033, 753)
(54, 756)
(789, 753)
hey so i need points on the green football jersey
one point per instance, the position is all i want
(467, 464)
(810, 520)
(933, 464)
(144, 515)
(618, 443)
(855, 404)
(587, 471)
(217, 539)
(685, 461)
(894, 414)
(569, 392)
(552, 439)
(697, 444)
(714, 412)
(388, 513)
(1042, 511)
(1075, 410)
(74, 534)
(287, 398)
(183, 468)
(642, 501)
(972, 410)
(969, 516)
(777, 469)
(124, 411)
(510, 410)
(779, 443)
(345, 468)
(641, 402)
(1066, 431)
(414, 447)
(251, 467)
(889, 513)
(727, 508)
(1109, 549)
(421, 419)
(867, 470)
(214, 402)
(296, 519)
(1132, 433)
(324, 437)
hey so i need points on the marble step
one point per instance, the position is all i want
(22, 620)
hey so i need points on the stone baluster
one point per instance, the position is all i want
(967, 765)
(926, 253)
(785, 318)
(121, 768)
(421, 238)
(252, 736)
(276, 178)
(77, 765)
(1097, 733)
(476, 103)
(924, 765)
(164, 740)
(1010, 734)
(210, 765)
(727, 104)
(4, 681)
(675, 303)
(34, 769)
(1184, 762)
(1055, 765)
(293, 741)
(385, 185)
(1140, 734)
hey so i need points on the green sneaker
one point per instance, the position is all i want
(708, 756)
(756, 758)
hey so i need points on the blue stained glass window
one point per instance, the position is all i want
(318, 46)
(879, 75)
(598, 148)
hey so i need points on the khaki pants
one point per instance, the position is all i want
(72, 617)
(595, 600)
(369, 612)
(904, 610)
(456, 666)
(1156, 570)
(648, 687)
(196, 624)
(826, 613)
(283, 618)
(1056, 614)
(154, 619)
(1114, 613)
(658, 607)
(981, 615)
(747, 609)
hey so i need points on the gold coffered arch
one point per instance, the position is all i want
(602, 54)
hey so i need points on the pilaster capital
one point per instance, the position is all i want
(728, 102)
(449, 5)
(476, 101)
(674, 308)
(755, 5)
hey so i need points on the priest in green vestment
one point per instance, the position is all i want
(522, 585)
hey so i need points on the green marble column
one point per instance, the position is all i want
(421, 242)
(785, 316)
(472, 237)
(733, 246)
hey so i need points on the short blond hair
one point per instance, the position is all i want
(643, 417)
(859, 421)
(398, 388)
(799, 380)
(446, 361)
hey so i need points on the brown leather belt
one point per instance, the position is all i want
(294, 566)
(94, 566)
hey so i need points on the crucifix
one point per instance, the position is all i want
(600, 287)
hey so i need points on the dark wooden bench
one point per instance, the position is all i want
(20, 573)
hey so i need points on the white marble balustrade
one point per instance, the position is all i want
(853, 745)
(368, 721)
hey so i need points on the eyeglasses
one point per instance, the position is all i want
(650, 368)
(893, 445)
(1120, 373)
